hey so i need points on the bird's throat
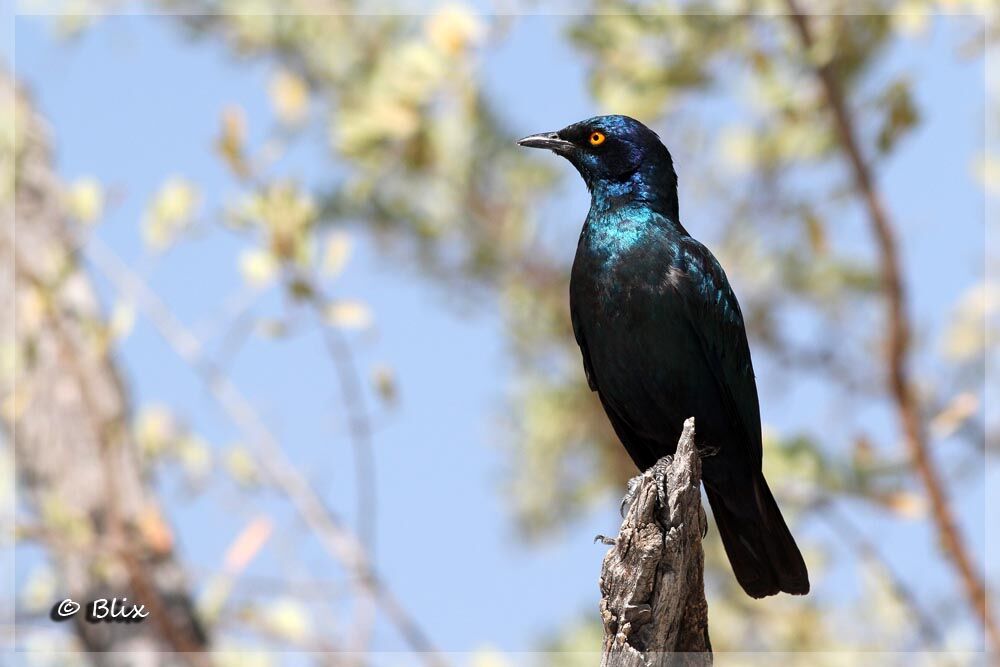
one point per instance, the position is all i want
(646, 187)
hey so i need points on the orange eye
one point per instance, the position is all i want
(596, 138)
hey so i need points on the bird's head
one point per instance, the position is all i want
(611, 150)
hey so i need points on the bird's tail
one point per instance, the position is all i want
(762, 551)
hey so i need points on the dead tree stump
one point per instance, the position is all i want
(652, 580)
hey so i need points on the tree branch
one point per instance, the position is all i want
(68, 418)
(328, 528)
(898, 343)
(652, 581)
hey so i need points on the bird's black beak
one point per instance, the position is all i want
(549, 140)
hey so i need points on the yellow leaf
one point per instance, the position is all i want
(385, 383)
(176, 200)
(954, 414)
(816, 232)
(287, 619)
(987, 171)
(966, 336)
(154, 429)
(336, 253)
(258, 267)
(234, 124)
(453, 29)
(287, 213)
(271, 328)
(170, 212)
(85, 200)
(911, 18)
(156, 534)
(122, 320)
(289, 97)
(195, 456)
(348, 314)
(906, 504)
(241, 466)
(211, 600)
(231, 138)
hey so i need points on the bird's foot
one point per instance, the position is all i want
(630, 490)
(609, 541)
(659, 471)
(660, 476)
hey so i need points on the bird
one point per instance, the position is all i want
(662, 339)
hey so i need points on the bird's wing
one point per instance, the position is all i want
(716, 321)
(582, 342)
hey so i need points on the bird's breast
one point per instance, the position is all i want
(618, 277)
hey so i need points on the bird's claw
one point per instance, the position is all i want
(630, 490)
(659, 471)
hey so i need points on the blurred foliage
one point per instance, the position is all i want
(403, 111)
(422, 160)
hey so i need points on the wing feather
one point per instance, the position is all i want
(717, 322)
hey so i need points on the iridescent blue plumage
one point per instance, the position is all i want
(663, 339)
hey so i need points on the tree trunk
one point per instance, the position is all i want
(652, 580)
(82, 490)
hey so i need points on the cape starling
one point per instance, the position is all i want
(663, 339)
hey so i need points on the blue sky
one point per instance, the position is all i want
(133, 102)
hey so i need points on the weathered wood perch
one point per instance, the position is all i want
(652, 580)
